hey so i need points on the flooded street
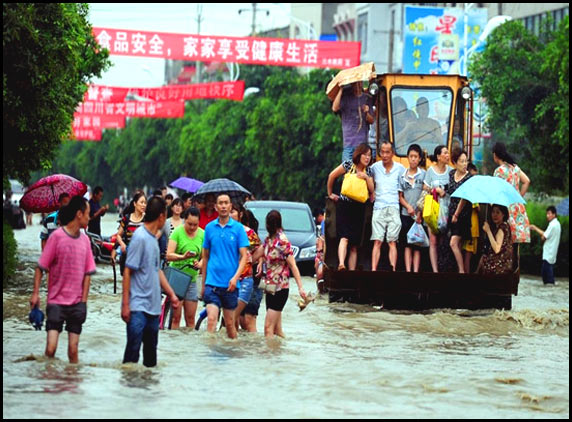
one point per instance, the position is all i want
(338, 360)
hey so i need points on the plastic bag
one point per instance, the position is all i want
(417, 236)
(431, 212)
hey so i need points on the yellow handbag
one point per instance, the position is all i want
(431, 212)
(353, 187)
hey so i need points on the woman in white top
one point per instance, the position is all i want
(175, 220)
(436, 178)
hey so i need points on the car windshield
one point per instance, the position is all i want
(293, 219)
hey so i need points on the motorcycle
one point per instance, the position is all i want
(104, 252)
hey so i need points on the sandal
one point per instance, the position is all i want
(342, 267)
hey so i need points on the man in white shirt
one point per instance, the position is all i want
(551, 239)
(386, 223)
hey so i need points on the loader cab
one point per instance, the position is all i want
(428, 110)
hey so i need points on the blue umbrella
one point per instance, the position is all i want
(188, 184)
(488, 190)
(563, 208)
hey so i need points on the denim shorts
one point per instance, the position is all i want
(347, 153)
(254, 303)
(245, 291)
(73, 315)
(192, 293)
(221, 297)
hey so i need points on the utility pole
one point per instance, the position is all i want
(199, 19)
(254, 10)
(253, 32)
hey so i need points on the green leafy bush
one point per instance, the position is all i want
(8, 253)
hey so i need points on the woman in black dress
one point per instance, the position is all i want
(350, 213)
(459, 211)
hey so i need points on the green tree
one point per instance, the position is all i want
(554, 110)
(49, 55)
(294, 138)
(280, 143)
(525, 81)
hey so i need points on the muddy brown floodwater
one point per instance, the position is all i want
(338, 360)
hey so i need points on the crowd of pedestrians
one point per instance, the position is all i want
(230, 268)
(215, 244)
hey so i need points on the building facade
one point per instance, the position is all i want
(312, 20)
(379, 26)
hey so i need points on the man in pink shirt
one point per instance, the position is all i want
(69, 260)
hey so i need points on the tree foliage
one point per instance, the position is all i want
(49, 55)
(525, 80)
(281, 143)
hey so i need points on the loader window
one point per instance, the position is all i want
(458, 125)
(420, 116)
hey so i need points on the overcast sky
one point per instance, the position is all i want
(217, 19)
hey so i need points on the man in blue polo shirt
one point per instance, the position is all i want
(224, 259)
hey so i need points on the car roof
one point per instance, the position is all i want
(276, 204)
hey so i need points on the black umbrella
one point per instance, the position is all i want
(233, 189)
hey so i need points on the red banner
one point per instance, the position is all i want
(86, 134)
(88, 121)
(161, 109)
(221, 90)
(262, 51)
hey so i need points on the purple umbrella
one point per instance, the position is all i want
(188, 184)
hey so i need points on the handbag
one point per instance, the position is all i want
(417, 236)
(268, 288)
(178, 280)
(353, 187)
(431, 212)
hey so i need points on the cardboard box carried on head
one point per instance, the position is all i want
(364, 72)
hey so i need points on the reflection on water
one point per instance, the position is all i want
(60, 380)
(136, 376)
(338, 360)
